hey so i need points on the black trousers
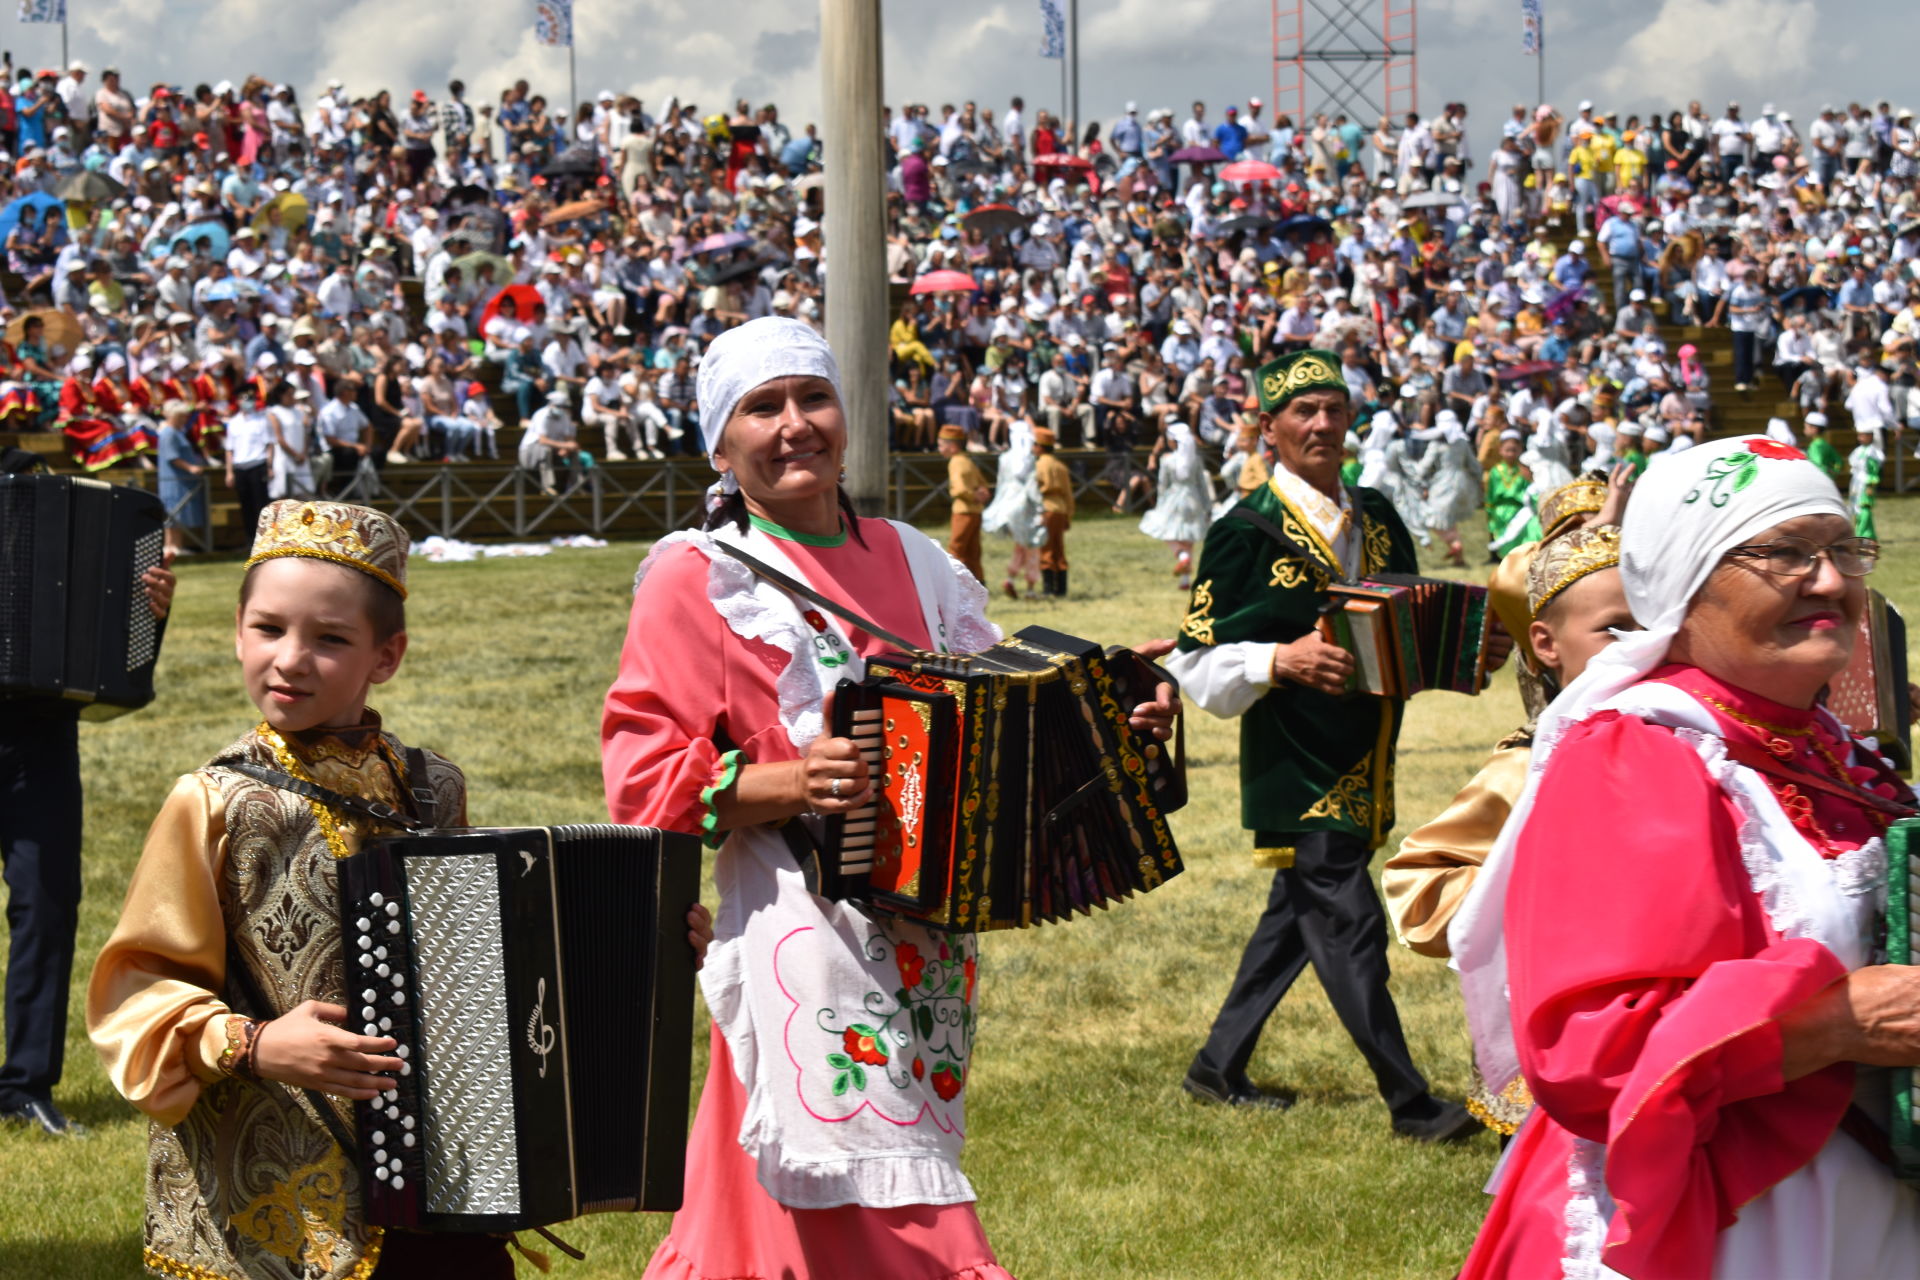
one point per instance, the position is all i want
(40, 852)
(1322, 909)
(250, 486)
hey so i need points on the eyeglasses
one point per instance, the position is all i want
(1793, 557)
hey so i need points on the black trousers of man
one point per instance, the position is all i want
(1324, 910)
(40, 852)
(250, 486)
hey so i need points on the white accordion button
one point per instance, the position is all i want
(379, 1138)
(406, 1068)
(366, 961)
(399, 997)
(383, 970)
(399, 980)
(406, 1139)
(406, 1122)
(379, 953)
(386, 1024)
(402, 1052)
(372, 1030)
(369, 1013)
(376, 899)
(398, 1182)
(393, 1112)
(393, 908)
(380, 1172)
(368, 995)
(365, 943)
(391, 1094)
(393, 926)
(363, 924)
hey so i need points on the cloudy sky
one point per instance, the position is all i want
(1635, 54)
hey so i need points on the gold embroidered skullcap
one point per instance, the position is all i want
(357, 537)
(1296, 373)
(1571, 501)
(1565, 560)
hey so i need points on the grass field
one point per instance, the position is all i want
(1088, 1159)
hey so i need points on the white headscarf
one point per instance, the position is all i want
(750, 356)
(1684, 516)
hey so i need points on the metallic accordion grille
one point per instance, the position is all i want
(141, 627)
(16, 581)
(466, 1071)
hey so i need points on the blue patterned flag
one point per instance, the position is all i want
(552, 22)
(43, 10)
(1053, 33)
(1530, 28)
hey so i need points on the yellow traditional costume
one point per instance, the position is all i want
(232, 914)
(1428, 877)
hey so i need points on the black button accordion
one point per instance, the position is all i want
(540, 984)
(74, 621)
(1010, 789)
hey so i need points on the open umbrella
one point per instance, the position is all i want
(944, 282)
(721, 242)
(466, 193)
(1303, 224)
(471, 263)
(1432, 200)
(289, 209)
(994, 219)
(1245, 222)
(1521, 372)
(478, 226)
(39, 200)
(1249, 171)
(1197, 155)
(232, 289)
(575, 209)
(525, 299)
(90, 187)
(191, 236)
(723, 272)
(1061, 160)
(62, 334)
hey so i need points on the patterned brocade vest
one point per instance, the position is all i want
(251, 1185)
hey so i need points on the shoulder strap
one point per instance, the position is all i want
(1243, 513)
(334, 800)
(796, 587)
(1755, 758)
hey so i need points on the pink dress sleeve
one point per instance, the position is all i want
(1645, 984)
(665, 746)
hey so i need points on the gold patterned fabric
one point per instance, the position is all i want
(1569, 502)
(243, 1178)
(357, 537)
(1428, 877)
(1565, 560)
(1296, 373)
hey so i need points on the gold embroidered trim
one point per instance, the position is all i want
(334, 557)
(1274, 859)
(1310, 369)
(290, 765)
(317, 534)
(1348, 800)
(1199, 623)
(155, 1261)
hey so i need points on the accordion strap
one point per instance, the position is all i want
(421, 793)
(1287, 543)
(1756, 758)
(788, 583)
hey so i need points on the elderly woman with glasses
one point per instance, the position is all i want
(1671, 941)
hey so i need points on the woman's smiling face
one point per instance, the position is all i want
(785, 440)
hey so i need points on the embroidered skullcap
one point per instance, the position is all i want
(1571, 501)
(1296, 373)
(357, 537)
(1563, 561)
(752, 355)
(1686, 514)
(954, 432)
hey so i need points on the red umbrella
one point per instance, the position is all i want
(525, 299)
(1197, 155)
(944, 282)
(1249, 171)
(1061, 160)
(994, 219)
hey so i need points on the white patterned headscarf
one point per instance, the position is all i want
(1684, 516)
(750, 356)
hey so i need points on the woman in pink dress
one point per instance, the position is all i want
(829, 1130)
(1672, 939)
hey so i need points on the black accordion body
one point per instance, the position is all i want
(1010, 789)
(540, 984)
(74, 621)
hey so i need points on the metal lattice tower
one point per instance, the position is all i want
(1351, 60)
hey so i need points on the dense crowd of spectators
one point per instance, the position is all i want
(448, 269)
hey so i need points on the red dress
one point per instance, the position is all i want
(1646, 975)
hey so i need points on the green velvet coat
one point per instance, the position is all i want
(1309, 761)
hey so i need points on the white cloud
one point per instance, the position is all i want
(1715, 49)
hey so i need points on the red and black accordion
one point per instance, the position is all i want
(74, 621)
(540, 984)
(1011, 791)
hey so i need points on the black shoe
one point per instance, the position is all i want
(1439, 1122)
(39, 1111)
(1208, 1087)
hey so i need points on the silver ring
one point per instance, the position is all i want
(835, 789)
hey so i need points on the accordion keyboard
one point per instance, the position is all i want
(868, 733)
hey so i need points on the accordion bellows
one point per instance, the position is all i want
(1011, 791)
(1903, 1121)
(540, 985)
(1408, 633)
(74, 622)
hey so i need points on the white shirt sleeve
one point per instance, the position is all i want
(1224, 680)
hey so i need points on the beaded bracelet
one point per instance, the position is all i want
(233, 1057)
(249, 1057)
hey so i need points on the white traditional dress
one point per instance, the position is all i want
(1184, 507)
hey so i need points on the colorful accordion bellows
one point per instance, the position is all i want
(1903, 1125)
(1870, 696)
(1409, 634)
(1011, 789)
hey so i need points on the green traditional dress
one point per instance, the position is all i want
(1863, 482)
(1827, 458)
(1350, 471)
(1309, 761)
(1636, 459)
(1506, 495)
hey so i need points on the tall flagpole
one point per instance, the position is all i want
(1541, 70)
(1073, 47)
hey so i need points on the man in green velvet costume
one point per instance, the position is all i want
(1316, 762)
